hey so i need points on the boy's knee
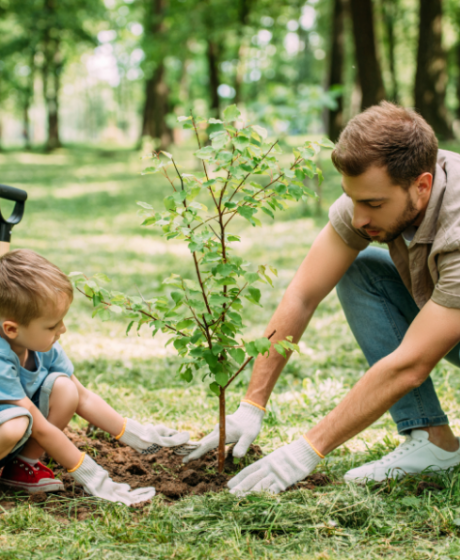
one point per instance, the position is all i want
(64, 392)
(12, 431)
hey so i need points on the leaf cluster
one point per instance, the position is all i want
(243, 174)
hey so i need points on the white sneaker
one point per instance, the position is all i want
(415, 455)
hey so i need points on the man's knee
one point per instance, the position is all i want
(64, 393)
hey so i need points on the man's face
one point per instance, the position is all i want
(384, 210)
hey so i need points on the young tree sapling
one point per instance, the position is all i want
(241, 176)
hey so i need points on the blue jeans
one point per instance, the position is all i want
(379, 310)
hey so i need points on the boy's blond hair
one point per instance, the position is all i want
(28, 282)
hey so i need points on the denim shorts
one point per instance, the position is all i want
(41, 400)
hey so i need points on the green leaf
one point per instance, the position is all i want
(247, 212)
(101, 277)
(182, 119)
(221, 378)
(231, 113)
(326, 143)
(251, 349)
(129, 327)
(263, 345)
(212, 120)
(215, 388)
(205, 153)
(280, 350)
(167, 154)
(187, 375)
(210, 358)
(230, 204)
(255, 293)
(223, 269)
(237, 354)
(144, 205)
(169, 203)
(177, 297)
(267, 211)
(186, 324)
(262, 132)
(116, 309)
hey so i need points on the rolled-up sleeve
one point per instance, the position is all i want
(447, 289)
(341, 216)
(10, 383)
(57, 361)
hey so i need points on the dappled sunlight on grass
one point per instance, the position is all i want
(82, 215)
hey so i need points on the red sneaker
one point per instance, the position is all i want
(36, 478)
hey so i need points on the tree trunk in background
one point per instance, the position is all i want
(370, 74)
(156, 104)
(28, 97)
(214, 82)
(51, 71)
(335, 116)
(156, 108)
(390, 14)
(244, 9)
(457, 59)
(431, 75)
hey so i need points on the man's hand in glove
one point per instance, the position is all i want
(96, 481)
(147, 439)
(279, 470)
(242, 427)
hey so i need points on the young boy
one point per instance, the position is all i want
(39, 393)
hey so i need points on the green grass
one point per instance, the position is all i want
(82, 215)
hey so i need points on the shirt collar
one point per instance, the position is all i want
(427, 229)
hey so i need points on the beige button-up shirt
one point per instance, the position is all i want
(430, 265)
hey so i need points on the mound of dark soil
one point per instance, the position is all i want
(163, 470)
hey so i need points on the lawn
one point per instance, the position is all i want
(82, 215)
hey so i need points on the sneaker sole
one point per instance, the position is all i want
(51, 486)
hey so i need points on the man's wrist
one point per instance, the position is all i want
(253, 403)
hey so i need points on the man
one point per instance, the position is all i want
(403, 306)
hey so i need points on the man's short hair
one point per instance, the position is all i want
(390, 136)
(28, 283)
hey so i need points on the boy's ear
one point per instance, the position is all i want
(10, 328)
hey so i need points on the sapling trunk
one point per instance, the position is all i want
(203, 316)
(221, 449)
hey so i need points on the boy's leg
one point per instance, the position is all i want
(57, 400)
(15, 429)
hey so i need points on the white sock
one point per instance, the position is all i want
(28, 460)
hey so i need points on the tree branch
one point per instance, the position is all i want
(244, 365)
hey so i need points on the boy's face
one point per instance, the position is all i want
(41, 333)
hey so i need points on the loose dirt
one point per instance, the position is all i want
(163, 470)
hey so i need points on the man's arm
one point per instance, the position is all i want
(434, 332)
(323, 267)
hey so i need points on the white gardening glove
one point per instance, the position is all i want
(147, 439)
(276, 472)
(97, 482)
(242, 427)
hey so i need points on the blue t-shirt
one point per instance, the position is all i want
(17, 382)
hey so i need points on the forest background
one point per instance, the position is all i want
(86, 89)
(114, 71)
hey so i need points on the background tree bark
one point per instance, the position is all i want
(390, 14)
(370, 74)
(431, 75)
(156, 103)
(335, 118)
(214, 81)
(51, 73)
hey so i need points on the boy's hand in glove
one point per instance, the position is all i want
(279, 470)
(242, 427)
(97, 482)
(147, 439)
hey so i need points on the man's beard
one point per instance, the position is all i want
(409, 216)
